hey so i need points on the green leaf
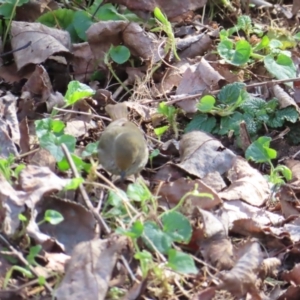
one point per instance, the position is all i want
(74, 184)
(106, 12)
(63, 165)
(76, 91)
(115, 199)
(33, 252)
(22, 217)
(286, 172)
(297, 36)
(201, 122)
(90, 149)
(263, 44)
(138, 192)
(134, 232)
(53, 144)
(48, 125)
(206, 103)
(154, 153)
(6, 10)
(282, 68)
(82, 22)
(159, 131)
(259, 151)
(177, 226)
(231, 122)
(53, 217)
(245, 23)
(119, 54)
(160, 240)
(181, 262)
(237, 57)
(61, 18)
(289, 114)
(231, 93)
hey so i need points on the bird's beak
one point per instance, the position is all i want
(123, 173)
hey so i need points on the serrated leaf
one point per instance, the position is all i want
(201, 122)
(181, 262)
(244, 22)
(231, 122)
(289, 114)
(177, 226)
(230, 93)
(138, 192)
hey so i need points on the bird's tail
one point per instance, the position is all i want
(117, 111)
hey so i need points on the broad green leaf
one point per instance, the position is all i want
(61, 18)
(76, 91)
(138, 192)
(177, 226)
(206, 103)
(263, 44)
(237, 57)
(90, 149)
(53, 144)
(201, 122)
(119, 54)
(181, 262)
(260, 152)
(160, 240)
(53, 217)
(231, 122)
(63, 165)
(82, 22)
(107, 12)
(282, 68)
(230, 93)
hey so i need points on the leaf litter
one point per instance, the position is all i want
(204, 222)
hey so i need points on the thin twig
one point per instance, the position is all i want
(189, 97)
(82, 113)
(20, 256)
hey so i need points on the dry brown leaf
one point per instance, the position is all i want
(43, 158)
(202, 154)
(241, 279)
(45, 41)
(84, 62)
(67, 233)
(91, 262)
(195, 80)
(247, 184)
(283, 97)
(172, 192)
(216, 247)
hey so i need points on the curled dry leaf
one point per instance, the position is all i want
(283, 97)
(269, 267)
(195, 80)
(247, 184)
(216, 247)
(45, 41)
(201, 154)
(241, 279)
(91, 262)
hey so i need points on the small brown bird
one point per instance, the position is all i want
(122, 148)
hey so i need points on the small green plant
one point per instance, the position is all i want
(170, 112)
(153, 154)
(52, 216)
(260, 152)
(166, 26)
(270, 49)
(232, 106)
(7, 168)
